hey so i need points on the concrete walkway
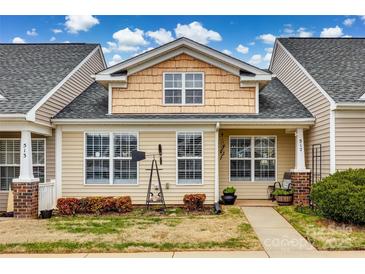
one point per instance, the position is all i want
(277, 236)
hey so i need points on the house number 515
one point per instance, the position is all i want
(24, 150)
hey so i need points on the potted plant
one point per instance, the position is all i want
(228, 196)
(283, 196)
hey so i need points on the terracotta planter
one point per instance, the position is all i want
(284, 199)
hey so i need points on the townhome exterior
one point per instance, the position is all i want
(220, 121)
(327, 76)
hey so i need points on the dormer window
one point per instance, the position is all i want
(183, 88)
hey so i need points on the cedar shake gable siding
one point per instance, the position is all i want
(222, 91)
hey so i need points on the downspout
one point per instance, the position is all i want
(216, 163)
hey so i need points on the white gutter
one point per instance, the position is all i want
(13, 116)
(350, 106)
(299, 121)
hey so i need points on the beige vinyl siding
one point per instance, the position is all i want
(222, 91)
(3, 200)
(76, 84)
(311, 97)
(50, 157)
(73, 169)
(256, 190)
(350, 139)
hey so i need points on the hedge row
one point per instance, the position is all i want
(94, 205)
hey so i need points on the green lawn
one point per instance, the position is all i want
(323, 233)
(134, 232)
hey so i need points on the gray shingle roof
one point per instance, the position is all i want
(276, 102)
(337, 64)
(30, 71)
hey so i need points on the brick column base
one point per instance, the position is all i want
(25, 199)
(301, 184)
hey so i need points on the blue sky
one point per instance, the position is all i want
(249, 38)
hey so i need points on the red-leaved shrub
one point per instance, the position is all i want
(68, 206)
(123, 204)
(194, 202)
(94, 205)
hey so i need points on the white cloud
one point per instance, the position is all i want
(128, 40)
(242, 49)
(302, 32)
(267, 38)
(55, 31)
(255, 59)
(267, 57)
(197, 32)
(348, 22)
(105, 50)
(252, 43)
(268, 50)
(288, 28)
(362, 18)
(115, 60)
(52, 39)
(161, 36)
(332, 32)
(32, 32)
(226, 51)
(76, 23)
(66, 42)
(18, 40)
(143, 51)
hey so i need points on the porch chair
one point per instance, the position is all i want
(285, 184)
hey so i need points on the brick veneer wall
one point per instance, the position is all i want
(25, 199)
(301, 183)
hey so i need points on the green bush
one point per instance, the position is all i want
(280, 191)
(341, 196)
(229, 190)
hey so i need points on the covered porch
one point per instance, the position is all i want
(254, 156)
(27, 155)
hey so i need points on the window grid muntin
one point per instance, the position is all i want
(198, 77)
(39, 166)
(97, 166)
(189, 164)
(254, 159)
(240, 158)
(124, 158)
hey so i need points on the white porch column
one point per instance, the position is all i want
(299, 152)
(58, 152)
(216, 163)
(26, 165)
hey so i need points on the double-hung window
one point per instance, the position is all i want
(10, 160)
(108, 158)
(183, 88)
(125, 170)
(252, 158)
(97, 158)
(189, 157)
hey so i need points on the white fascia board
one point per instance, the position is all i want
(250, 121)
(109, 78)
(183, 43)
(257, 77)
(31, 113)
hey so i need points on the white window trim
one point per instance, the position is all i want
(33, 165)
(177, 158)
(183, 90)
(110, 158)
(123, 158)
(252, 159)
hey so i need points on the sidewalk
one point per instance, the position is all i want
(277, 236)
